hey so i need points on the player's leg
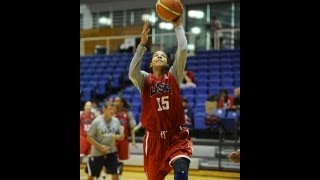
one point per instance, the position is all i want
(123, 154)
(181, 168)
(104, 173)
(180, 155)
(120, 157)
(85, 148)
(111, 164)
(154, 153)
(82, 147)
(94, 167)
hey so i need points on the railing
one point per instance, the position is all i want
(155, 41)
(231, 39)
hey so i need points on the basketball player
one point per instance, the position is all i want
(128, 122)
(234, 156)
(103, 133)
(166, 143)
(86, 118)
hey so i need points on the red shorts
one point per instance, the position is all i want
(123, 149)
(85, 146)
(161, 149)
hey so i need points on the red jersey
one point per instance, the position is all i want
(124, 121)
(225, 104)
(161, 103)
(85, 122)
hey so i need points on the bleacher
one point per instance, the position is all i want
(214, 70)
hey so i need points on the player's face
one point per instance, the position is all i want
(87, 106)
(237, 92)
(159, 59)
(118, 103)
(109, 110)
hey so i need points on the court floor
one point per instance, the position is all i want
(136, 173)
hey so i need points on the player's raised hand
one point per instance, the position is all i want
(177, 22)
(144, 33)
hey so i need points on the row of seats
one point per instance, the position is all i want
(228, 118)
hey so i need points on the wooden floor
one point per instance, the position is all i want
(136, 173)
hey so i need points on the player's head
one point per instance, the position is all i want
(236, 92)
(94, 103)
(120, 103)
(108, 109)
(224, 93)
(87, 106)
(159, 61)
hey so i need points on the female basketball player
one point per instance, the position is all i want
(128, 122)
(166, 143)
(86, 118)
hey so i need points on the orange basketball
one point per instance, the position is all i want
(169, 10)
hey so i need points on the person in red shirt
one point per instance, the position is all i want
(166, 143)
(86, 118)
(225, 101)
(188, 79)
(127, 120)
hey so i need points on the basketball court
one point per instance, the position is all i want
(136, 173)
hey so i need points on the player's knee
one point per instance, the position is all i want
(181, 167)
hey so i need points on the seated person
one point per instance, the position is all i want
(225, 101)
(188, 79)
(236, 102)
(211, 104)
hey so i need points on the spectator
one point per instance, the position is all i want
(215, 25)
(225, 101)
(211, 104)
(236, 104)
(188, 79)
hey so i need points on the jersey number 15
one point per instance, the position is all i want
(163, 103)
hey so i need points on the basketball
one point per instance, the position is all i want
(169, 10)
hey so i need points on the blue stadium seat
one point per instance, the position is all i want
(237, 82)
(214, 68)
(186, 91)
(199, 120)
(236, 67)
(227, 75)
(127, 97)
(227, 82)
(237, 75)
(101, 88)
(190, 97)
(225, 68)
(214, 82)
(201, 98)
(201, 90)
